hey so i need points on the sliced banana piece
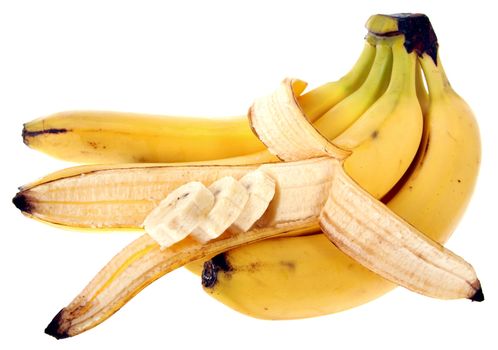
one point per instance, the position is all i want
(230, 198)
(179, 213)
(261, 189)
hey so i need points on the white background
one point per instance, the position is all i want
(212, 58)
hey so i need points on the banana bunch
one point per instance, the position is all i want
(373, 163)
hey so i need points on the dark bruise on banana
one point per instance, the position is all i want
(328, 186)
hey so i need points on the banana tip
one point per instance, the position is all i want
(22, 203)
(478, 295)
(54, 327)
(27, 134)
(24, 137)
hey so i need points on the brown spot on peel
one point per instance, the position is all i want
(55, 328)
(211, 268)
(291, 265)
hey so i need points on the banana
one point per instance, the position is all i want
(386, 137)
(348, 110)
(179, 213)
(283, 278)
(289, 278)
(434, 194)
(230, 200)
(111, 137)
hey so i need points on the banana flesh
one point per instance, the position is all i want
(123, 197)
(119, 197)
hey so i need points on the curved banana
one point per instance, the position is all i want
(283, 278)
(386, 137)
(111, 137)
(347, 111)
(434, 194)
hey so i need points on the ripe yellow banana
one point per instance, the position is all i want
(284, 278)
(347, 111)
(386, 137)
(111, 137)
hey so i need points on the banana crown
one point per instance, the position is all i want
(374, 164)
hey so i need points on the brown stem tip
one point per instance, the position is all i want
(54, 327)
(478, 295)
(22, 203)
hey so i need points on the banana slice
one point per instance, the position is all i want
(230, 197)
(179, 213)
(261, 189)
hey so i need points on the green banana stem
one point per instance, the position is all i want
(353, 106)
(404, 72)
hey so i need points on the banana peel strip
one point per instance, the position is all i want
(279, 122)
(141, 263)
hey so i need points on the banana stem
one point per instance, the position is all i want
(436, 78)
(332, 93)
(403, 72)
